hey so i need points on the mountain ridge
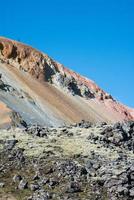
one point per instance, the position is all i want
(70, 97)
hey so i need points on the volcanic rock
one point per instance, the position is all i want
(42, 91)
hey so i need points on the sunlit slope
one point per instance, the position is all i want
(45, 92)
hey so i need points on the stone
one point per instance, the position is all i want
(73, 187)
(23, 184)
(17, 178)
(53, 182)
(43, 181)
(83, 171)
(132, 176)
(131, 192)
(34, 187)
(36, 176)
(122, 190)
(96, 166)
(40, 195)
(2, 184)
(84, 124)
(19, 155)
(10, 144)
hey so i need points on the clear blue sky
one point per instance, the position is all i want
(92, 37)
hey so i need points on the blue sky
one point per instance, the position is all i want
(92, 37)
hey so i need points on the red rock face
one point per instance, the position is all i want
(82, 80)
(102, 96)
(41, 67)
(26, 58)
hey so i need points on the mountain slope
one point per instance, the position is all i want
(45, 92)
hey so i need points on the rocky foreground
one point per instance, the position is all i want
(79, 162)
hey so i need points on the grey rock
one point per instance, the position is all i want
(36, 176)
(43, 181)
(10, 144)
(131, 191)
(83, 171)
(2, 184)
(53, 182)
(132, 176)
(17, 178)
(40, 195)
(34, 187)
(122, 190)
(23, 184)
(73, 187)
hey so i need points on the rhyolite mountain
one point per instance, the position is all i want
(36, 89)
